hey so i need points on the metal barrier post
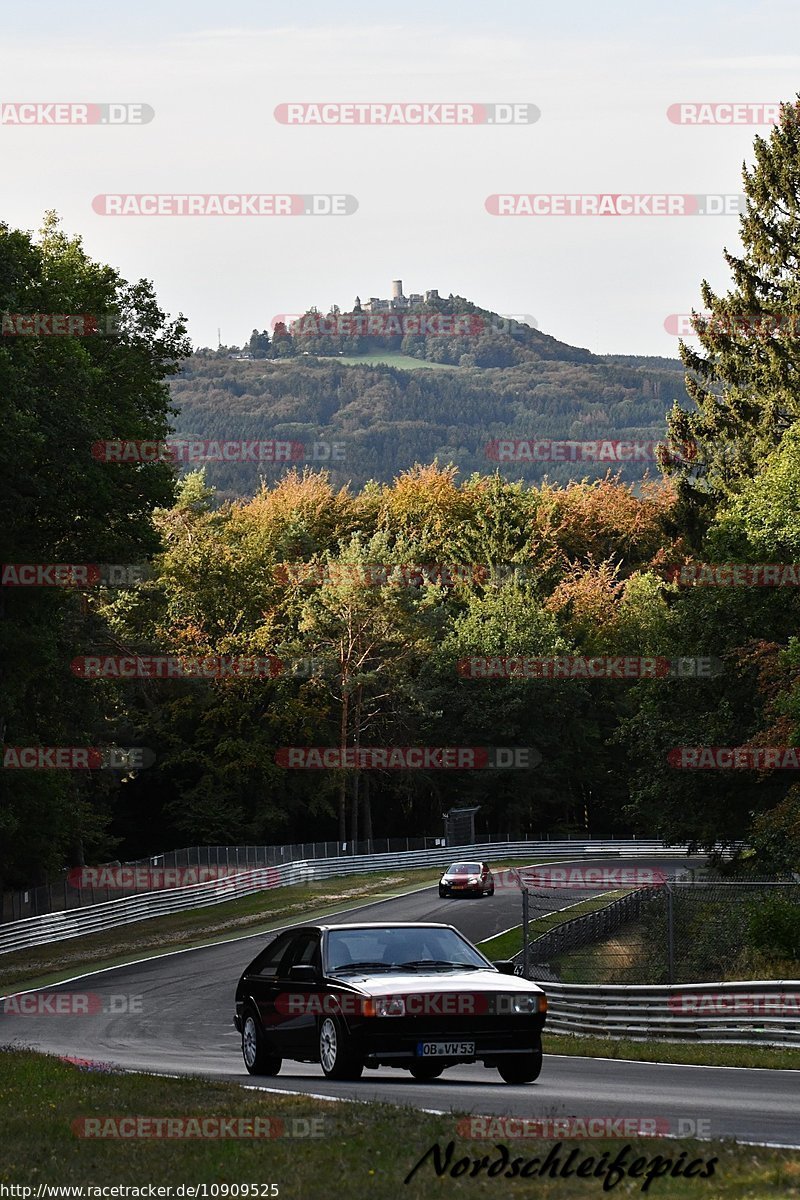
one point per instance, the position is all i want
(670, 937)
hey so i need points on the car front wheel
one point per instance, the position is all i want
(442, 893)
(521, 1068)
(256, 1056)
(424, 1071)
(337, 1057)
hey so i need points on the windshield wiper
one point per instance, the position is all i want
(438, 962)
(361, 966)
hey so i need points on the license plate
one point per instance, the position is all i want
(445, 1049)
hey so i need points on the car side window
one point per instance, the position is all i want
(269, 960)
(303, 951)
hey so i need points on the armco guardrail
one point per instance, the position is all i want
(96, 918)
(56, 894)
(748, 1012)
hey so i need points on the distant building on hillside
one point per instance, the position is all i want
(398, 302)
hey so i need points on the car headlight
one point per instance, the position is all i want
(527, 1002)
(385, 1006)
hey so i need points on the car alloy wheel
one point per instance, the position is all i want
(337, 1057)
(256, 1058)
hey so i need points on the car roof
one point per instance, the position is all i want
(369, 925)
(387, 925)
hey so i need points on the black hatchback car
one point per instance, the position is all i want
(418, 996)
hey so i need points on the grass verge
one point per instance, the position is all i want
(690, 1053)
(368, 1150)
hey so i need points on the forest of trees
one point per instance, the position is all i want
(558, 569)
(386, 418)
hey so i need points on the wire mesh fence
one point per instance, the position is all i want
(683, 931)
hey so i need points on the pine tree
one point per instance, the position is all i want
(745, 381)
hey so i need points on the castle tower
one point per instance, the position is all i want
(397, 289)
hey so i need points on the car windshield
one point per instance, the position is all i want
(464, 869)
(395, 949)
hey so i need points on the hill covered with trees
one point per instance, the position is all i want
(530, 388)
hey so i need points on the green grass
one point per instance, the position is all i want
(506, 945)
(389, 358)
(367, 1150)
(689, 1053)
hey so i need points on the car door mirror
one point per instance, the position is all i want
(505, 966)
(304, 973)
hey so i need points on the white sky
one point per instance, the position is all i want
(602, 75)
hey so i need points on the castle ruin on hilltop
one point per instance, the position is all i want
(398, 302)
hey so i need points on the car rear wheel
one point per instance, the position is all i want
(491, 890)
(256, 1056)
(337, 1057)
(521, 1068)
(424, 1071)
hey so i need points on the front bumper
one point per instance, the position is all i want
(394, 1040)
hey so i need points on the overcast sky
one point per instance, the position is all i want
(603, 76)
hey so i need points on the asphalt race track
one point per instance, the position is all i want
(173, 1015)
